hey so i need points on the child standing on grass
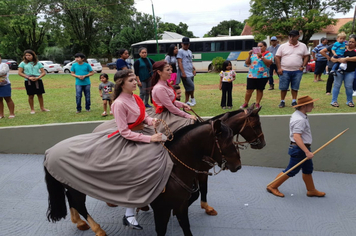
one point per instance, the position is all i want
(226, 77)
(105, 90)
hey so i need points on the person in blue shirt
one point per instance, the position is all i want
(320, 60)
(81, 71)
(121, 62)
(338, 50)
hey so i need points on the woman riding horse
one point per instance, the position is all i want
(188, 149)
(114, 151)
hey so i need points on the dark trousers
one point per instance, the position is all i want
(329, 83)
(272, 68)
(226, 89)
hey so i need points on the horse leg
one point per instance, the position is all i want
(76, 201)
(203, 188)
(183, 219)
(161, 215)
(74, 216)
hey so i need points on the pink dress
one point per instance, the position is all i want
(125, 169)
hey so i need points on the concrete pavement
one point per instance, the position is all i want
(243, 204)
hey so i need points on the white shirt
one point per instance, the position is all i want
(299, 124)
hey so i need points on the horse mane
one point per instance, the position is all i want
(180, 133)
(231, 113)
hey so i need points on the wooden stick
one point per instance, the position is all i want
(315, 152)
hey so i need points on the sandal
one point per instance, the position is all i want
(351, 104)
(104, 114)
(11, 116)
(335, 104)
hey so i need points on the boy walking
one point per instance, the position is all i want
(299, 148)
(81, 71)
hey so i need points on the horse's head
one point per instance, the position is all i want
(224, 151)
(251, 130)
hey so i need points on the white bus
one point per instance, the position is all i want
(233, 48)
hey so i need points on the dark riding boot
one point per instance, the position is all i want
(273, 188)
(309, 183)
(271, 87)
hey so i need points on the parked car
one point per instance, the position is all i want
(49, 66)
(112, 65)
(66, 62)
(95, 65)
(11, 63)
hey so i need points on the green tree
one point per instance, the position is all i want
(89, 23)
(223, 28)
(140, 28)
(347, 28)
(181, 28)
(24, 24)
(280, 17)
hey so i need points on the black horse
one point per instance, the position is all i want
(242, 122)
(188, 148)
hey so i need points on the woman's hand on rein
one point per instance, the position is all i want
(155, 122)
(193, 117)
(186, 107)
(156, 137)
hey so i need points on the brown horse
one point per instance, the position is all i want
(242, 122)
(188, 148)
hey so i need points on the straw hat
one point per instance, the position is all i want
(305, 100)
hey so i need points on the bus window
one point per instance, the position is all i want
(151, 49)
(249, 44)
(219, 46)
(162, 48)
(230, 45)
(209, 47)
(238, 45)
(198, 47)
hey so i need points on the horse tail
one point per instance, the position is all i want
(57, 208)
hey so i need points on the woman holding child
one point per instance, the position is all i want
(347, 76)
(129, 154)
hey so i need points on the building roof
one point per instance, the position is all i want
(330, 29)
(171, 35)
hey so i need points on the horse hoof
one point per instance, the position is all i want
(111, 205)
(209, 210)
(145, 208)
(83, 227)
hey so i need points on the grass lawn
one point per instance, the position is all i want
(60, 99)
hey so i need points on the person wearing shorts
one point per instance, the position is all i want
(291, 59)
(186, 71)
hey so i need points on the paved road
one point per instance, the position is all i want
(244, 207)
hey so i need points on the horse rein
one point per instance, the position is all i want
(212, 164)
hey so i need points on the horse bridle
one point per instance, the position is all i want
(212, 164)
(254, 141)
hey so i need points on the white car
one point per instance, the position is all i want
(95, 65)
(49, 66)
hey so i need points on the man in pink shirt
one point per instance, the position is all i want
(291, 59)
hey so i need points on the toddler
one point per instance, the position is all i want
(105, 90)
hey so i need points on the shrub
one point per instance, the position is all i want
(217, 63)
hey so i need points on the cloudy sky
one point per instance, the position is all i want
(200, 15)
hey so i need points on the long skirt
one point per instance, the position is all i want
(173, 122)
(114, 170)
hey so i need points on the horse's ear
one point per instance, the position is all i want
(217, 126)
(224, 117)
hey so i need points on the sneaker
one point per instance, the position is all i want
(193, 101)
(282, 104)
(148, 106)
(104, 114)
(223, 108)
(341, 71)
(354, 93)
(244, 105)
(78, 112)
(271, 87)
(294, 103)
(333, 73)
(110, 112)
(229, 107)
(88, 110)
(190, 104)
